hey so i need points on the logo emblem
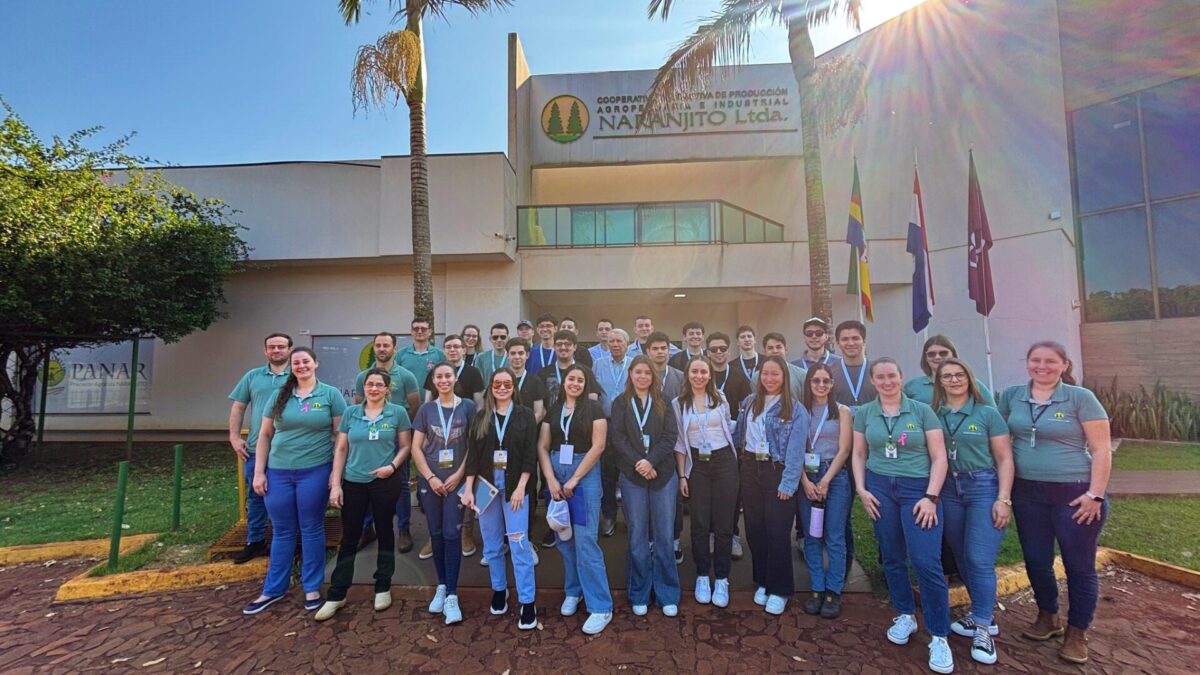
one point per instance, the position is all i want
(386, 426)
(911, 426)
(317, 405)
(972, 427)
(1059, 416)
(57, 373)
(565, 118)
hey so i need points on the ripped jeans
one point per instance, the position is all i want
(496, 522)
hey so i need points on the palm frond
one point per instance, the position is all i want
(660, 7)
(385, 71)
(820, 12)
(438, 8)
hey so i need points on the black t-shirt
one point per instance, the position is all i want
(469, 383)
(583, 356)
(587, 411)
(747, 367)
(532, 390)
(680, 360)
(549, 376)
(734, 385)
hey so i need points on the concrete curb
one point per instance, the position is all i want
(1153, 568)
(86, 548)
(85, 587)
(1011, 579)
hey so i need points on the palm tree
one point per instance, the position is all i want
(392, 68)
(724, 39)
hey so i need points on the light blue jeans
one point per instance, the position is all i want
(296, 500)
(584, 574)
(967, 499)
(837, 512)
(496, 522)
(651, 510)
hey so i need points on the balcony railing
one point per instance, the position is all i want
(646, 224)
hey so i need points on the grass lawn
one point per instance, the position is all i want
(1152, 456)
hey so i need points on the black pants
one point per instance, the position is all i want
(710, 490)
(608, 484)
(768, 526)
(380, 497)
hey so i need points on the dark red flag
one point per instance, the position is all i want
(979, 242)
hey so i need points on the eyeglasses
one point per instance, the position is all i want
(950, 377)
(823, 382)
(374, 385)
(420, 329)
(499, 337)
(501, 386)
(563, 344)
(814, 333)
(718, 350)
(935, 353)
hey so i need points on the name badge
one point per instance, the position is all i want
(890, 451)
(762, 452)
(372, 434)
(953, 450)
(646, 442)
(566, 454)
(812, 462)
(446, 458)
(705, 452)
(500, 459)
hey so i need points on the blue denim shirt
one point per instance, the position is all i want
(785, 441)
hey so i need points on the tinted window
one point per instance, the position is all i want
(1116, 266)
(1171, 118)
(693, 223)
(1177, 251)
(658, 225)
(1108, 168)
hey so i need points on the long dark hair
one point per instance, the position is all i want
(785, 394)
(808, 399)
(1057, 348)
(941, 341)
(658, 405)
(686, 399)
(387, 383)
(939, 390)
(489, 402)
(289, 385)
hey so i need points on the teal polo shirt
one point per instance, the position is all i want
(304, 431)
(403, 383)
(921, 389)
(367, 453)
(255, 389)
(420, 363)
(907, 433)
(969, 431)
(1057, 453)
(489, 363)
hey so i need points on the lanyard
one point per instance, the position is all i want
(946, 424)
(821, 424)
(458, 373)
(700, 426)
(558, 371)
(749, 373)
(501, 428)
(721, 387)
(641, 419)
(855, 390)
(618, 374)
(521, 381)
(503, 360)
(1041, 410)
(891, 427)
(371, 421)
(542, 351)
(447, 422)
(564, 421)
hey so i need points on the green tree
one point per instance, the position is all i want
(91, 256)
(392, 68)
(724, 38)
(574, 121)
(554, 125)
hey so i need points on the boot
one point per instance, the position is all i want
(1075, 648)
(1046, 627)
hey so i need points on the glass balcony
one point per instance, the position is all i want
(647, 224)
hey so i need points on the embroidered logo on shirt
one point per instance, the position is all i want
(1060, 415)
(973, 427)
(910, 426)
(385, 426)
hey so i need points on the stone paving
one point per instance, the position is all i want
(1143, 625)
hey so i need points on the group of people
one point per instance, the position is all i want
(940, 464)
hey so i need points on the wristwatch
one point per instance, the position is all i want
(1006, 502)
(932, 498)
(1095, 498)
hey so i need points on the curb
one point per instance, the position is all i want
(1153, 568)
(84, 587)
(85, 548)
(1011, 579)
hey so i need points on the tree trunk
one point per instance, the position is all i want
(419, 178)
(17, 390)
(803, 56)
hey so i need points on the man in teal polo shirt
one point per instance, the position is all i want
(422, 356)
(252, 393)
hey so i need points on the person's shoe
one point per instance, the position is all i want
(312, 604)
(678, 553)
(703, 591)
(250, 552)
(426, 551)
(1075, 646)
(369, 535)
(570, 605)
(469, 545)
(941, 660)
(983, 648)
(453, 613)
(670, 610)
(776, 604)
(528, 620)
(383, 601)
(404, 542)
(640, 610)
(832, 607)
(720, 594)
(329, 609)
(438, 604)
(499, 602)
(1045, 627)
(736, 552)
(259, 605)
(536, 559)
(902, 628)
(760, 596)
(966, 627)
(608, 526)
(814, 603)
(596, 623)
(550, 540)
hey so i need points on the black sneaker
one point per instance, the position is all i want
(252, 551)
(832, 607)
(983, 648)
(550, 540)
(813, 604)
(528, 620)
(499, 602)
(259, 605)
(678, 553)
(404, 542)
(608, 526)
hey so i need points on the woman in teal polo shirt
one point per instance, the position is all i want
(975, 497)
(899, 466)
(937, 348)
(291, 472)
(1063, 452)
(372, 444)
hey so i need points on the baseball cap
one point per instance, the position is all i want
(815, 321)
(524, 322)
(558, 517)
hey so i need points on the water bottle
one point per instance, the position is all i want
(816, 521)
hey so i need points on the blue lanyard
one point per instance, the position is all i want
(721, 387)
(618, 374)
(521, 381)
(855, 390)
(749, 373)
(641, 419)
(501, 428)
(564, 421)
(558, 371)
(446, 423)
(700, 426)
(821, 424)
(542, 356)
(458, 373)
(503, 360)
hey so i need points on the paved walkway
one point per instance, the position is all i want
(1154, 483)
(1142, 625)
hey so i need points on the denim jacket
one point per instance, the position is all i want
(785, 441)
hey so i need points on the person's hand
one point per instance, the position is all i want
(517, 501)
(1001, 514)
(823, 489)
(468, 499)
(240, 447)
(926, 513)
(451, 483)
(783, 496)
(436, 485)
(384, 471)
(335, 497)
(870, 503)
(1088, 512)
(811, 491)
(568, 488)
(653, 474)
(260, 484)
(554, 487)
(644, 468)
(683, 487)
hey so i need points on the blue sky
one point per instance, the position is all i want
(228, 81)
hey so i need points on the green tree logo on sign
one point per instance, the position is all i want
(577, 118)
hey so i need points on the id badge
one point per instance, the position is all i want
(812, 462)
(891, 451)
(373, 435)
(646, 442)
(566, 454)
(500, 459)
(762, 452)
(446, 458)
(953, 450)
(705, 452)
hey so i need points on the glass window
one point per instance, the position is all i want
(658, 224)
(618, 225)
(1108, 167)
(562, 222)
(583, 227)
(693, 223)
(774, 232)
(1116, 266)
(1177, 250)
(733, 224)
(547, 223)
(754, 228)
(1171, 120)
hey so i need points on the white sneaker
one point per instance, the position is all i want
(966, 627)
(941, 660)
(736, 552)
(983, 647)
(640, 610)
(703, 590)
(570, 605)
(720, 594)
(597, 623)
(329, 609)
(902, 628)
(776, 604)
(438, 605)
(760, 596)
(453, 613)
(483, 562)
(383, 601)
(670, 610)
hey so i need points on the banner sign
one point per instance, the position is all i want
(96, 379)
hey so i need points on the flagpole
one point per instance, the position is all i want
(987, 345)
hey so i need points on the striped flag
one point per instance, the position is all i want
(918, 246)
(856, 236)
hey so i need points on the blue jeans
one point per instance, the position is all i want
(651, 510)
(496, 522)
(256, 508)
(901, 540)
(444, 515)
(1044, 516)
(296, 500)
(403, 504)
(837, 512)
(583, 562)
(967, 500)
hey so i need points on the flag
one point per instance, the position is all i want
(856, 236)
(918, 246)
(979, 242)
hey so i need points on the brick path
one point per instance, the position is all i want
(1154, 483)
(1143, 625)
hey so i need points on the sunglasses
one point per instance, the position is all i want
(718, 350)
(499, 337)
(935, 353)
(814, 333)
(501, 386)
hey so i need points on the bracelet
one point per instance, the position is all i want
(1095, 498)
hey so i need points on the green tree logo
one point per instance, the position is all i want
(577, 118)
(57, 372)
